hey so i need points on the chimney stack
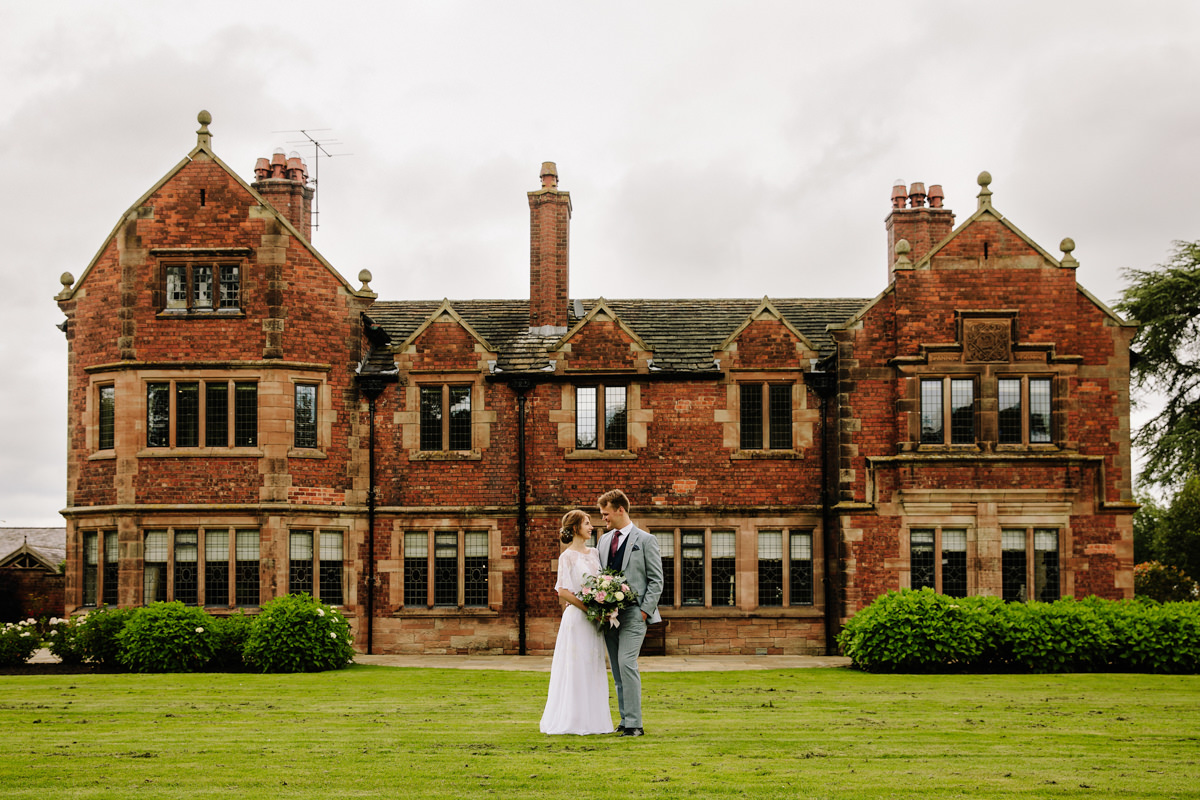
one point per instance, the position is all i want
(283, 182)
(923, 227)
(549, 248)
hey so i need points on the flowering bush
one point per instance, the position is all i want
(64, 638)
(605, 595)
(18, 642)
(98, 634)
(167, 637)
(1163, 582)
(296, 633)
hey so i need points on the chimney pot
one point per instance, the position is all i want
(549, 175)
(916, 195)
(262, 169)
(899, 194)
(936, 196)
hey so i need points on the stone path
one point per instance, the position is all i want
(542, 663)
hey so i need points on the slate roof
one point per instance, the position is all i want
(48, 543)
(683, 333)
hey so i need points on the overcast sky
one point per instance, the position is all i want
(734, 149)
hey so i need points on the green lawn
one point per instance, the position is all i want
(399, 733)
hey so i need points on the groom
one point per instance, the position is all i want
(633, 551)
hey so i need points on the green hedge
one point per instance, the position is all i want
(292, 634)
(922, 631)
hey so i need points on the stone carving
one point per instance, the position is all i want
(987, 341)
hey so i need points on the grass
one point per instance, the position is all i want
(384, 732)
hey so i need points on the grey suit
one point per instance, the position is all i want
(641, 562)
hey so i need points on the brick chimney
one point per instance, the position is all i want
(283, 182)
(923, 227)
(549, 248)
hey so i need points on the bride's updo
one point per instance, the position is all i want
(570, 525)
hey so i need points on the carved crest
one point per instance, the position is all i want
(987, 341)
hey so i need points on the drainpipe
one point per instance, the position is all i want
(521, 387)
(824, 384)
(371, 388)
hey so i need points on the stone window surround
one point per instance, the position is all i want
(746, 530)
(636, 419)
(130, 379)
(804, 418)
(393, 571)
(408, 420)
(201, 530)
(984, 537)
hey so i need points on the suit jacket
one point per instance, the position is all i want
(642, 565)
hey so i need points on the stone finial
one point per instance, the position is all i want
(549, 175)
(1067, 246)
(365, 276)
(903, 248)
(899, 193)
(985, 194)
(66, 279)
(203, 137)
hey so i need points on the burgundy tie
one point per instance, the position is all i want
(612, 552)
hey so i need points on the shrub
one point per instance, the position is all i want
(296, 633)
(1163, 582)
(18, 642)
(64, 638)
(99, 632)
(919, 631)
(229, 638)
(167, 637)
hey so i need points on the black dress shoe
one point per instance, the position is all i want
(632, 732)
(620, 729)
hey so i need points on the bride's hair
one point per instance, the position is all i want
(570, 524)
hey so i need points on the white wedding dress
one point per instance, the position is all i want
(577, 701)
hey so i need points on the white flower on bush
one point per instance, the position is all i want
(200, 630)
(332, 635)
(31, 621)
(25, 633)
(320, 612)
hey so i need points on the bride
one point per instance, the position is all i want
(577, 701)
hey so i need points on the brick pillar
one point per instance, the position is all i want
(923, 227)
(549, 247)
(283, 182)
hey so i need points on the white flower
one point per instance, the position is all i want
(320, 612)
(349, 641)
(199, 630)
(56, 620)
(332, 635)
(26, 633)
(619, 595)
(31, 621)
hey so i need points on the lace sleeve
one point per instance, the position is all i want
(564, 571)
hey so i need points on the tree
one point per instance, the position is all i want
(1166, 301)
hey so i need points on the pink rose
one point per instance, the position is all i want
(601, 596)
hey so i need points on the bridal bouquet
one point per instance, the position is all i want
(605, 595)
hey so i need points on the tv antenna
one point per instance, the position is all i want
(319, 149)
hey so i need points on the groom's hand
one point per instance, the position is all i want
(645, 616)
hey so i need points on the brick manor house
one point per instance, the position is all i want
(244, 422)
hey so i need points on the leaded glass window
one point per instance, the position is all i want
(780, 419)
(962, 411)
(724, 568)
(416, 569)
(246, 589)
(195, 286)
(692, 568)
(460, 418)
(330, 567)
(1039, 410)
(300, 562)
(445, 568)
(305, 420)
(921, 563)
(475, 568)
(445, 418)
(751, 416)
(202, 286)
(1008, 392)
(154, 570)
(187, 414)
(932, 412)
(1045, 564)
(187, 561)
(158, 415)
(216, 568)
(109, 591)
(91, 567)
(770, 568)
(1012, 565)
(107, 428)
(666, 548)
(245, 415)
(954, 563)
(593, 432)
(800, 569)
(216, 414)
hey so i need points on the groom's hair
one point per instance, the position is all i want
(614, 498)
